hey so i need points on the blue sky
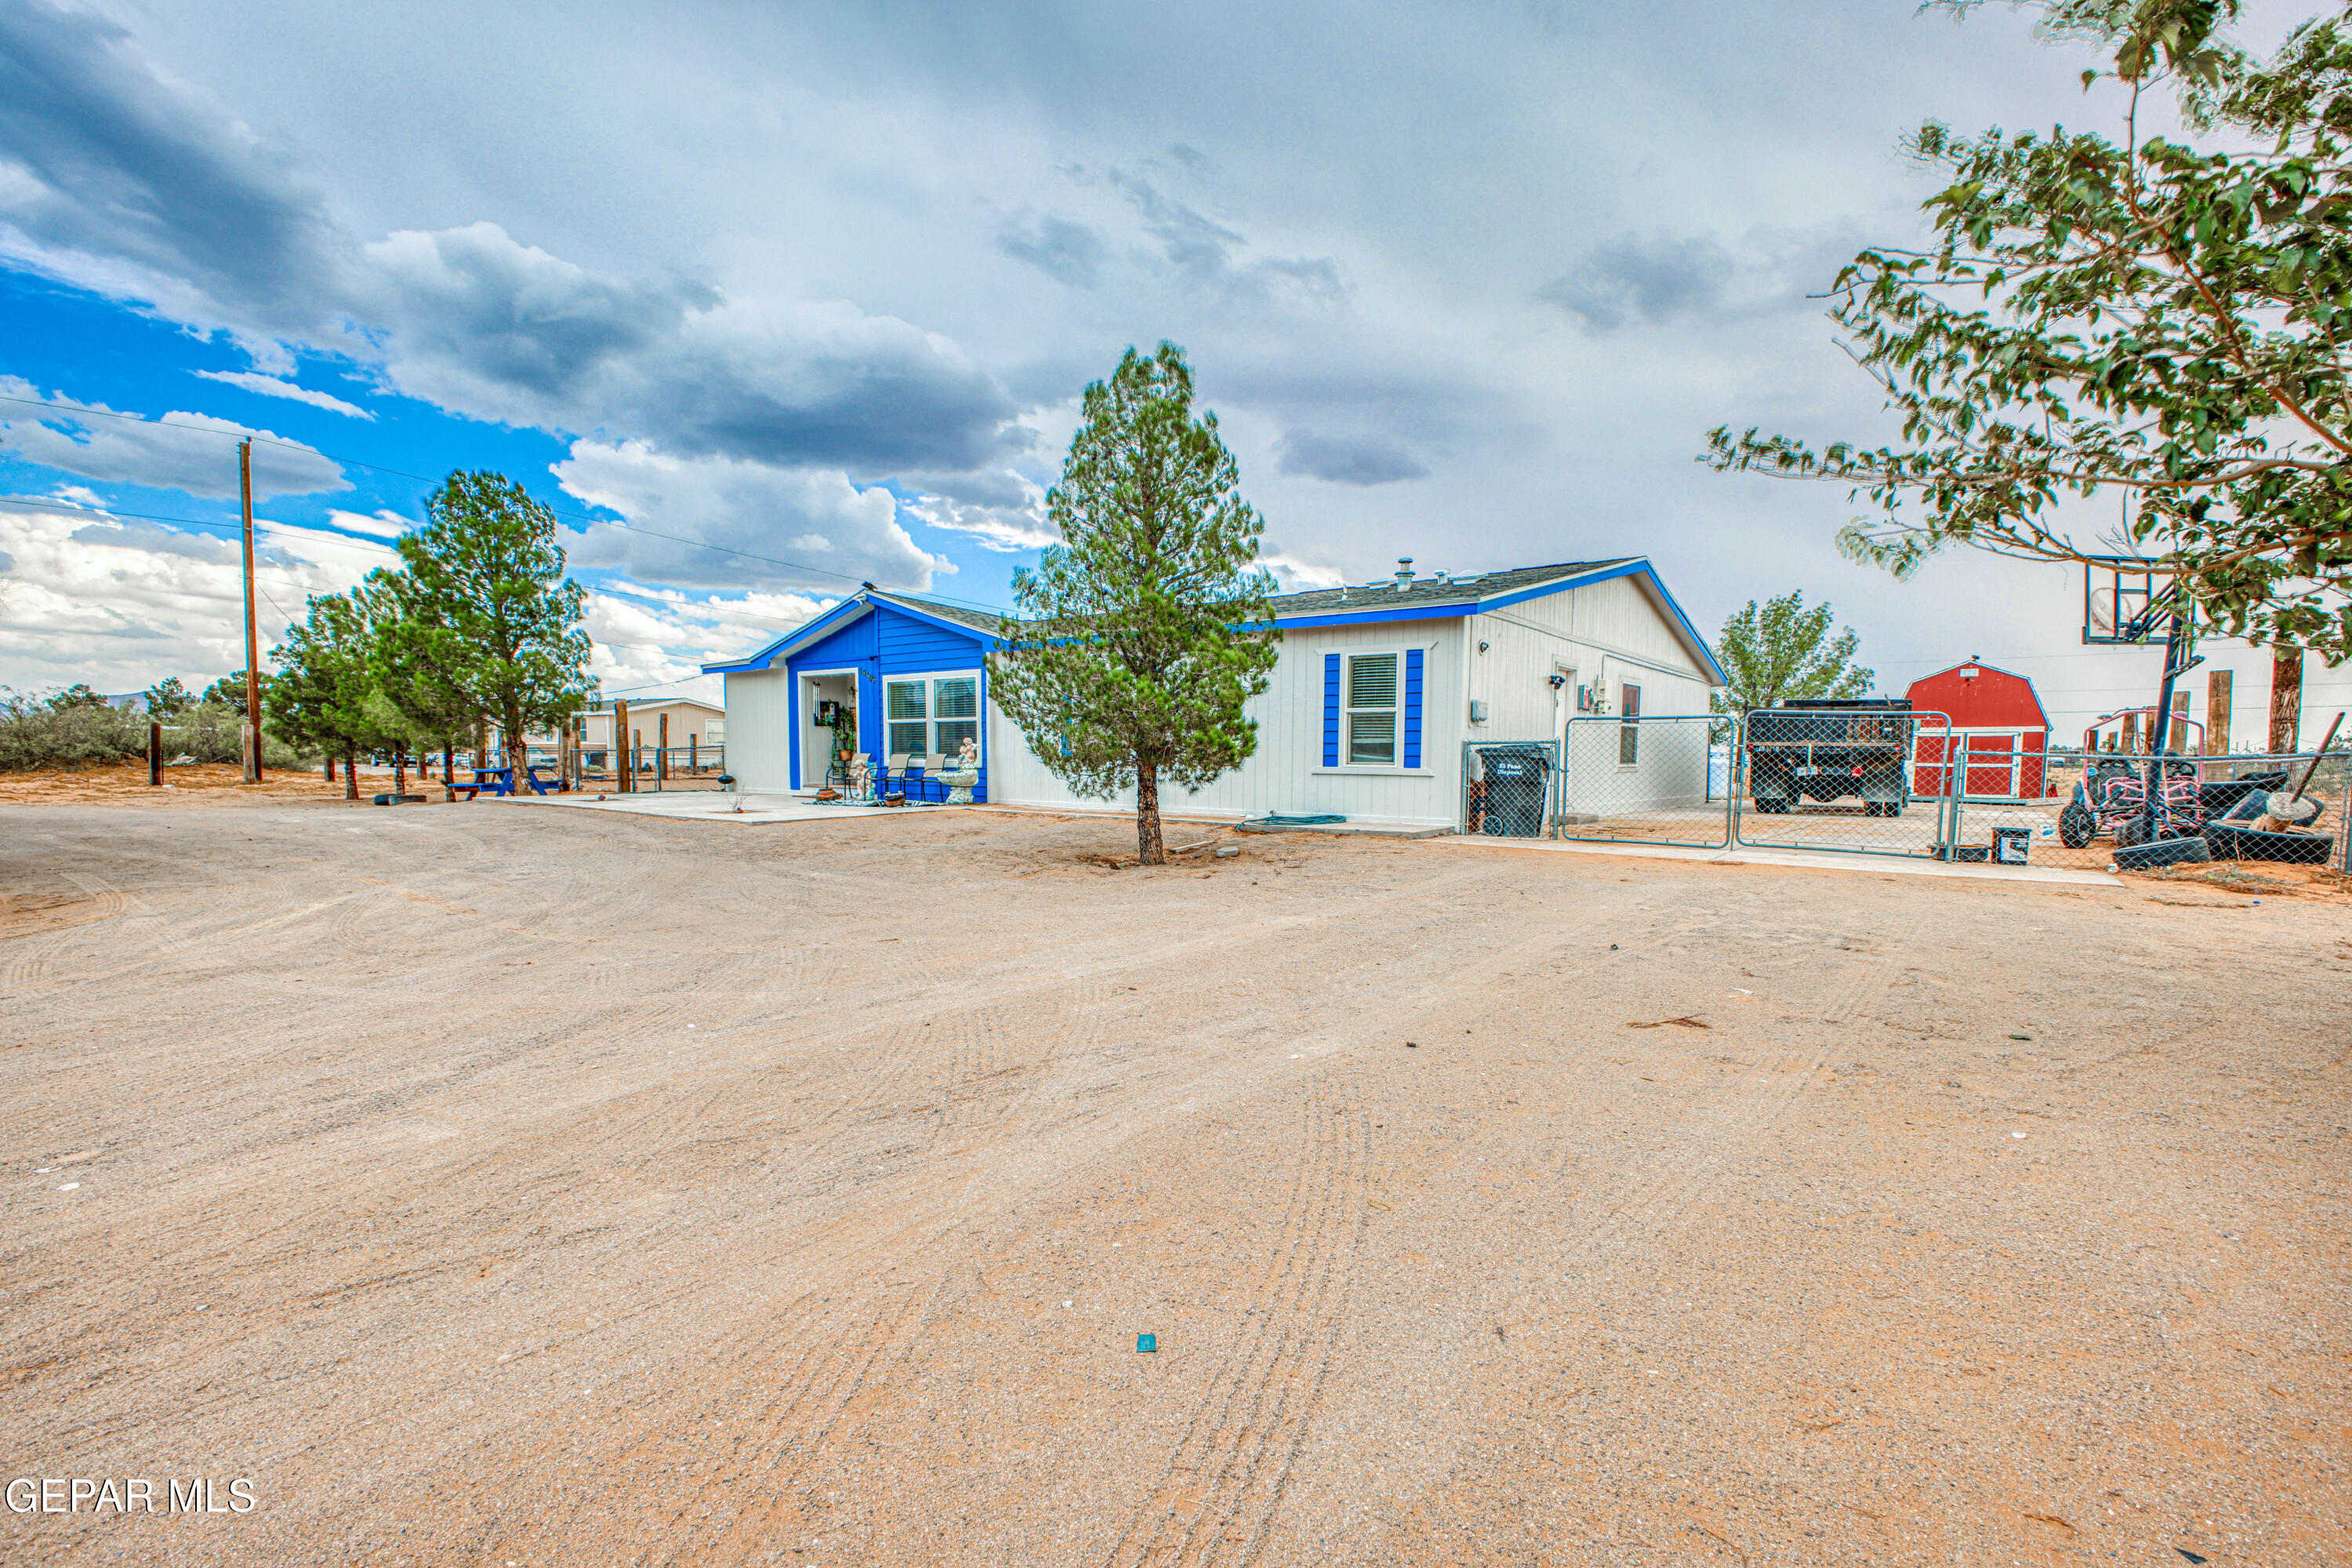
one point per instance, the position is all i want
(821, 286)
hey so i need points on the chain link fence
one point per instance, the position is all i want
(1509, 788)
(2092, 803)
(1853, 777)
(1663, 780)
(1868, 779)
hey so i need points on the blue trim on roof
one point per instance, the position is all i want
(832, 620)
(1417, 613)
(915, 608)
(1640, 568)
(1585, 580)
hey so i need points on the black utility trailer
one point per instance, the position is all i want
(1825, 749)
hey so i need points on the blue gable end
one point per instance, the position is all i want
(884, 642)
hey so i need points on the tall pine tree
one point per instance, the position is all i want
(1143, 633)
(489, 611)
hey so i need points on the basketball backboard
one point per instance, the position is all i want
(2125, 602)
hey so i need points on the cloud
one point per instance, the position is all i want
(1657, 278)
(1000, 509)
(1346, 459)
(270, 386)
(1206, 254)
(1662, 278)
(657, 637)
(115, 179)
(121, 604)
(105, 166)
(382, 524)
(183, 451)
(808, 528)
(1067, 252)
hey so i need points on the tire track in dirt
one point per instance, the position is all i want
(1221, 1485)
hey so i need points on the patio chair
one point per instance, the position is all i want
(895, 773)
(913, 782)
(933, 766)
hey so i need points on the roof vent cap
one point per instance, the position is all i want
(1404, 572)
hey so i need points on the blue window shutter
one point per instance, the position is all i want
(1330, 710)
(1412, 707)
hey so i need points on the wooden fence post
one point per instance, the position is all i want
(2286, 698)
(625, 755)
(661, 754)
(154, 753)
(2217, 713)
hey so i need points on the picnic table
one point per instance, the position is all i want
(502, 781)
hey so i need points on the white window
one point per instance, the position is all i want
(1375, 695)
(927, 714)
(1629, 733)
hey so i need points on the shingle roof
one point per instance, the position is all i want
(1433, 591)
(979, 620)
(1465, 589)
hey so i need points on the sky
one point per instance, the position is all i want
(806, 296)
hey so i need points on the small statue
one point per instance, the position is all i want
(968, 755)
(861, 778)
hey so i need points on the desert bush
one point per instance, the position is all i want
(59, 731)
(66, 731)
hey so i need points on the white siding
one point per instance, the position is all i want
(2116, 678)
(759, 730)
(1286, 773)
(1610, 633)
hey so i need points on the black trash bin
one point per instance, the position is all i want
(1518, 781)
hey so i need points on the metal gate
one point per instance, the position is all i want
(1648, 780)
(1856, 780)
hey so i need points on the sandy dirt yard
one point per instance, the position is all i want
(507, 1185)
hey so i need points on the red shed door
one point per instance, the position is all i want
(1993, 766)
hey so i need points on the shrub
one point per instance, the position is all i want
(62, 731)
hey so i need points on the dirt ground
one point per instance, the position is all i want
(508, 1184)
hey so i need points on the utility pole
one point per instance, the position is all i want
(252, 636)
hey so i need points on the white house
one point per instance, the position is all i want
(1378, 689)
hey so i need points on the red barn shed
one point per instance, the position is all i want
(1998, 727)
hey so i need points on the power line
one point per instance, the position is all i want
(401, 473)
(322, 535)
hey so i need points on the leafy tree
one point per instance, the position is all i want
(1146, 629)
(1784, 651)
(489, 611)
(2161, 318)
(324, 694)
(228, 691)
(168, 698)
(77, 695)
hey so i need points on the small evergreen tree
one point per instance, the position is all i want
(325, 694)
(168, 698)
(1143, 632)
(431, 703)
(488, 611)
(1776, 654)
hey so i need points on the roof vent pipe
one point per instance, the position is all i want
(1404, 572)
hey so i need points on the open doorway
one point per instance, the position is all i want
(828, 715)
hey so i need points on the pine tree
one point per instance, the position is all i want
(488, 611)
(1145, 631)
